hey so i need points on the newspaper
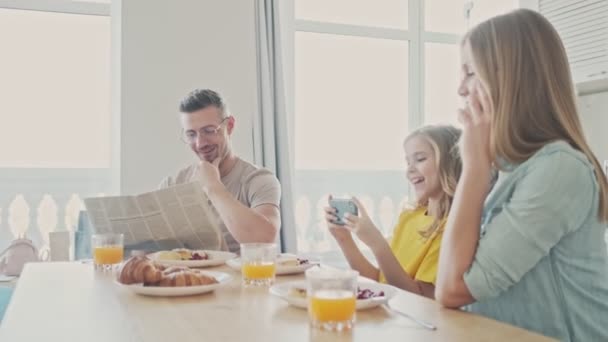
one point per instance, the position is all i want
(173, 217)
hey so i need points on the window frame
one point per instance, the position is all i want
(415, 35)
(35, 183)
(59, 6)
(107, 176)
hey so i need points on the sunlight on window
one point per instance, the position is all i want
(379, 13)
(444, 16)
(351, 117)
(55, 107)
(442, 74)
(351, 102)
(449, 16)
(485, 9)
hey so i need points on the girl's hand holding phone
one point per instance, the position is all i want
(338, 231)
(363, 226)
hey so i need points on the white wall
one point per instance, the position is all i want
(594, 115)
(161, 51)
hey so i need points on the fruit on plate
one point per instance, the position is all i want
(182, 254)
(199, 255)
(367, 293)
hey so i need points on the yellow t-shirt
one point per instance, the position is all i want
(417, 255)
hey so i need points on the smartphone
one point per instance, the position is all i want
(343, 206)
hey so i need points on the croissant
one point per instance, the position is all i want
(174, 269)
(140, 269)
(185, 277)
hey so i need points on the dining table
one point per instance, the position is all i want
(72, 301)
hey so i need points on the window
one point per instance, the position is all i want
(55, 86)
(349, 104)
(351, 111)
(56, 131)
(365, 74)
(445, 16)
(441, 75)
(378, 13)
(444, 22)
(484, 9)
(456, 16)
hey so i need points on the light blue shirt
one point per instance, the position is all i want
(541, 263)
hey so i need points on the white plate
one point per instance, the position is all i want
(282, 291)
(174, 291)
(235, 264)
(216, 258)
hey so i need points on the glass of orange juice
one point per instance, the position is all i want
(332, 298)
(108, 250)
(258, 263)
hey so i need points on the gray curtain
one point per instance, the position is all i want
(270, 123)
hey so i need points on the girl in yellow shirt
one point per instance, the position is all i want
(410, 261)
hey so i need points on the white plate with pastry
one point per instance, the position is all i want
(192, 258)
(214, 280)
(145, 276)
(370, 294)
(286, 264)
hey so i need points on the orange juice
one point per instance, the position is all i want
(333, 305)
(259, 270)
(108, 255)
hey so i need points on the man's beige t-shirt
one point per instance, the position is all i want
(249, 184)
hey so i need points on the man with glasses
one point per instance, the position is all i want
(245, 197)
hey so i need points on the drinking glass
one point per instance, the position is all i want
(258, 263)
(108, 250)
(332, 298)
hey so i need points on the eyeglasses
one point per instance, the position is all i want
(190, 136)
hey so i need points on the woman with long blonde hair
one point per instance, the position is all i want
(410, 260)
(533, 252)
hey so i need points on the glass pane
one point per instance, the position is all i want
(55, 84)
(445, 16)
(441, 78)
(354, 89)
(380, 13)
(486, 9)
(351, 106)
(449, 16)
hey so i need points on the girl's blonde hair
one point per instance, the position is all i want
(521, 61)
(443, 140)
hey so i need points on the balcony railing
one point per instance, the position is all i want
(34, 202)
(383, 194)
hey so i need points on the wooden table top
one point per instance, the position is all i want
(72, 302)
